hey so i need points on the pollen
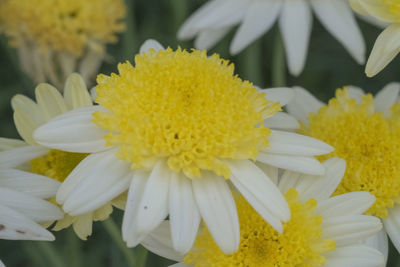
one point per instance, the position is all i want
(300, 244)
(368, 141)
(184, 107)
(63, 25)
(56, 164)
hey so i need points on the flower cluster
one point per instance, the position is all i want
(207, 168)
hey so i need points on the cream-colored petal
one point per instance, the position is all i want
(50, 101)
(76, 94)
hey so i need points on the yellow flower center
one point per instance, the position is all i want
(368, 141)
(185, 107)
(393, 7)
(300, 244)
(56, 164)
(63, 25)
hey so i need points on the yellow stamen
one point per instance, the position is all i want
(300, 244)
(368, 141)
(56, 164)
(183, 106)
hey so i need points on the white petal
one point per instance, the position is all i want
(189, 28)
(271, 171)
(104, 177)
(9, 143)
(207, 38)
(2, 264)
(283, 95)
(392, 225)
(258, 19)
(385, 49)
(354, 256)
(379, 241)
(260, 192)
(338, 19)
(184, 215)
(15, 226)
(352, 203)
(386, 97)
(153, 207)
(159, 242)
(150, 44)
(75, 93)
(322, 188)
(288, 180)
(218, 210)
(73, 131)
(282, 121)
(307, 165)
(129, 223)
(17, 156)
(34, 208)
(223, 15)
(281, 142)
(30, 183)
(347, 230)
(295, 23)
(303, 104)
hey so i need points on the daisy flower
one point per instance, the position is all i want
(27, 160)
(178, 129)
(387, 45)
(365, 131)
(22, 208)
(57, 37)
(323, 230)
(216, 18)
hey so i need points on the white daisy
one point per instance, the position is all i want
(365, 131)
(28, 161)
(22, 208)
(387, 45)
(323, 230)
(216, 18)
(178, 129)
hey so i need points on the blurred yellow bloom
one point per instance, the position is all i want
(57, 37)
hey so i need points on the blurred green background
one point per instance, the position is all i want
(328, 67)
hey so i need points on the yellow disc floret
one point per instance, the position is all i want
(56, 164)
(368, 141)
(62, 25)
(300, 244)
(185, 107)
(393, 8)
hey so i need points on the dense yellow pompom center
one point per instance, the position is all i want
(185, 107)
(300, 244)
(56, 164)
(63, 25)
(368, 141)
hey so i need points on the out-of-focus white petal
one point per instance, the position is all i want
(386, 97)
(259, 18)
(150, 44)
(295, 23)
(338, 19)
(386, 47)
(303, 104)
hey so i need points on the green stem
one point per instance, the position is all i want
(179, 10)
(278, 62)
(130, 36)
(74, 246)
(141, 254)
(252, 64)
(50, 254)
(115, 234)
